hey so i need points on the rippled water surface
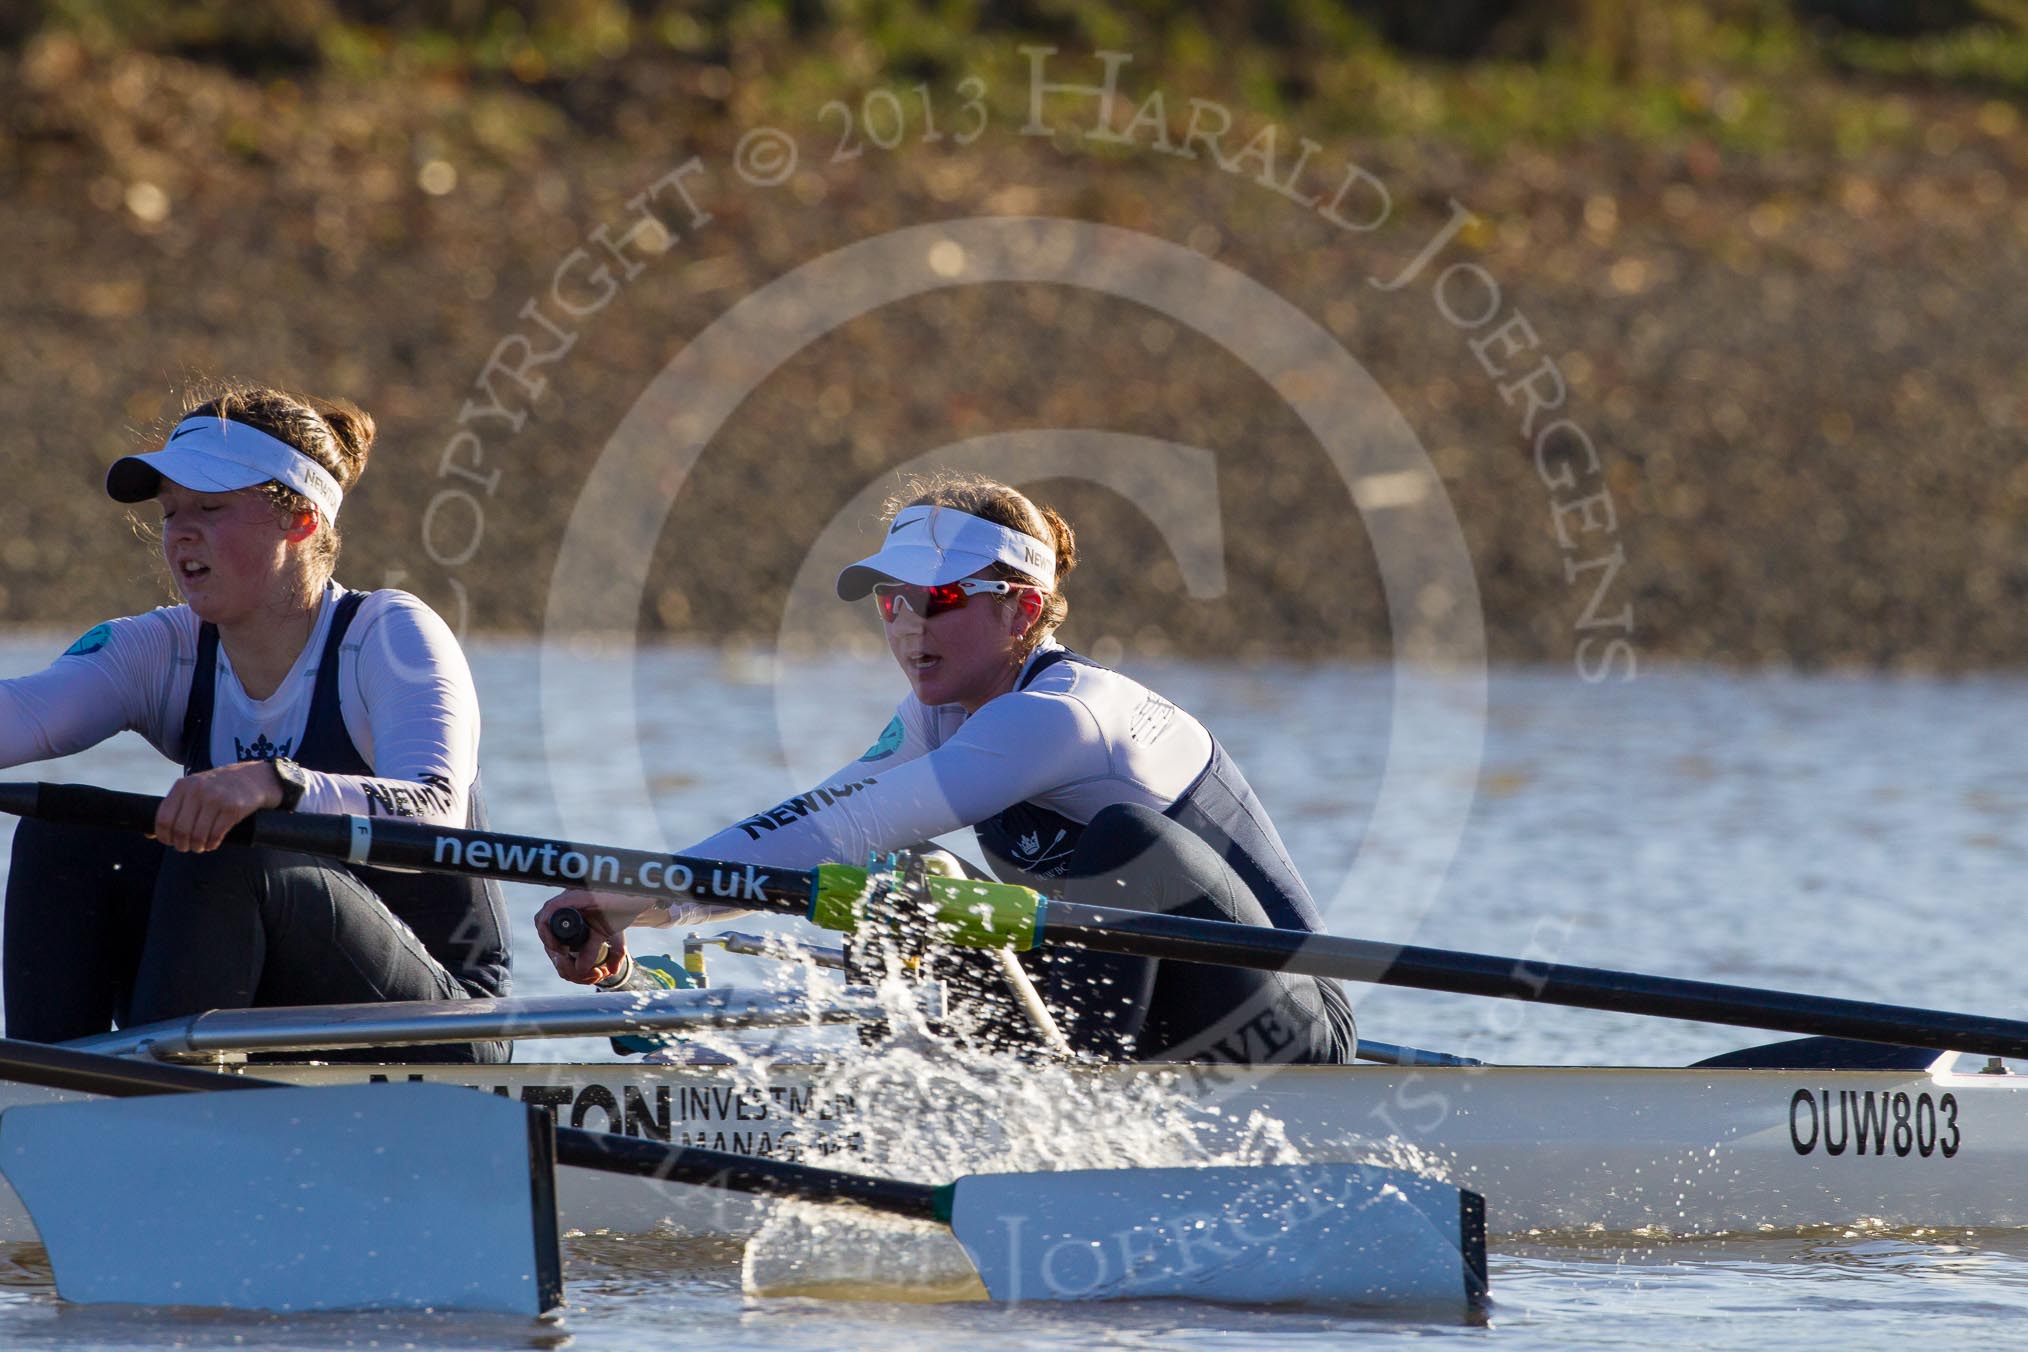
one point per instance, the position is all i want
(1854, 836)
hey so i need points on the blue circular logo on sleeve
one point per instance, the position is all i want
(889, 743)
(95, 638)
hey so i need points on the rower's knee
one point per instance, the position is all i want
(1135, 858)
(1125, 836)
(236, 880)
(227, 876)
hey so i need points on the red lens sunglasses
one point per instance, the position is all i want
(929, 602)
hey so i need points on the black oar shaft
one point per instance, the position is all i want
(531, 859)
(1115, 930)
(115, 1077)
(742, 1173)
(111, 1076)
(398, 843)
(409, 844)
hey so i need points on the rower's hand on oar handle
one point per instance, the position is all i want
(569, 927)
(200, 809)
(585, 933)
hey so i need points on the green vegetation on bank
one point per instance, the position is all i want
(1745, 76)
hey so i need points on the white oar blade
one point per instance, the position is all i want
(397, 1196)
(1338, 1235)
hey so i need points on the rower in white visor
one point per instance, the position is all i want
(271, 686)
(1077, 780)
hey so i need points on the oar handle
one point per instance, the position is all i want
(569, 927)
(88, 805)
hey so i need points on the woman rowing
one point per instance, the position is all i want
(273, 687)
(1077, 780)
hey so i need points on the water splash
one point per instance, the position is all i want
(940, 1098)
(934, 1107)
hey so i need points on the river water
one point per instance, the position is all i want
(1851, 835)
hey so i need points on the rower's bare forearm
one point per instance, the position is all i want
(664, 914)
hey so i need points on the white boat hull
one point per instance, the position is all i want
(1553, 1149)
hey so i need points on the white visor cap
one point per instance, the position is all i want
(216, 455)
(929, 546)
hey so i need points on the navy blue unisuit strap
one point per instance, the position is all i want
(1051, 659)
(197, 713)
(325, 744)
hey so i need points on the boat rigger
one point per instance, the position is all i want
(1695, 1150)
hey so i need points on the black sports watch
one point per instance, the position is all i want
(293, 781)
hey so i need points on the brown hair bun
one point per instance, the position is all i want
(336, 434)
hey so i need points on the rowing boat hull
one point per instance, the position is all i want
(1553, 1149)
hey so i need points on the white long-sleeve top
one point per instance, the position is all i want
(405, 693)
(1076, 739)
